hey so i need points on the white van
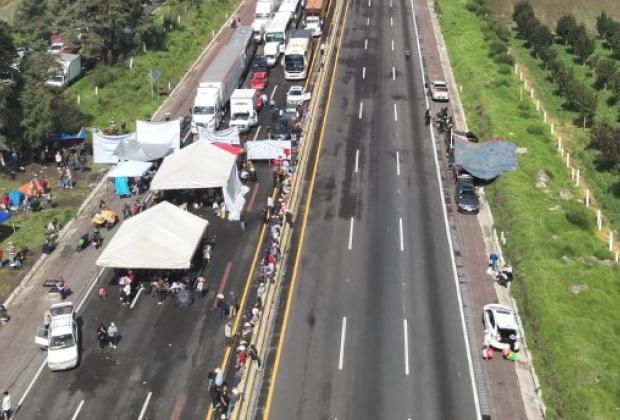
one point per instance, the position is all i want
(61, 337)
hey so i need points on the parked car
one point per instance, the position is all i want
(259, 80)
(439, 90)
(501, 329)
(294, 97)
(282, 129)
(467, 200)
(60, 337)
(259, 64)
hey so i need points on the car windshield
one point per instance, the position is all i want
(508, 334)
(468, 193)
(62, 342)
(240, 115)
(294, 62)
(61, 310)
(204, 110)
(274, 37)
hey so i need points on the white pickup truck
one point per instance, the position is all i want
(439, 91)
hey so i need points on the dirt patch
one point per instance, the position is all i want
(578, 288)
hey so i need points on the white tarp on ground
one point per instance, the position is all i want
(203, 165)
(104, 146)
(162, 237)
(268, 149)
(160, 132)
(129, 168)
(229, 135)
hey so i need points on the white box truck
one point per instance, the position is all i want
(276, 33)
(243, 114)
(71, 65)
(265, 10)
(220, 79)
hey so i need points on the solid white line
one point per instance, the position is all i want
(364, 72)
(366, 44)
(367, 21)
(257, 131)
(392, 45)
(357, 160)
(391, 21)
(133, 303)
(395, 113)
(146, 403)
(393, 73)
(369, 3)
(400, 229)
(31, 384)
(445, 216)
(397, 163)
(273, 92)
(342, 336)
(406, 345)
(79, 408)
(359, 116)
(351, 235)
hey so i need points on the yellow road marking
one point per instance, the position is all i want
(291, 293)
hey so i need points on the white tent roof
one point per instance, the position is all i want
(162, 237)
(199, 165)
(129, 168)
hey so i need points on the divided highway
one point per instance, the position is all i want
(375, 329)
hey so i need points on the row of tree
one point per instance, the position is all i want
(609, 30)
(606, 139)
(578, 94)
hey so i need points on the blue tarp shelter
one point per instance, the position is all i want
(70, 138)
(4, 216)
(16, 198)
(486, 160)
(121, 186)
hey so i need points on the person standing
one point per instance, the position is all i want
(6, 406)
(102, 335)
(253, 353)
(113, 334)
(234, 396)
(228, 332)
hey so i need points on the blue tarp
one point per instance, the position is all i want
(121, 186)
(486, 160)
(66, 137)
(16, 198)
(4, 216)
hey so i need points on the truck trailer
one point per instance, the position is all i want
(221, 78)
(243, 113)
(314, 14)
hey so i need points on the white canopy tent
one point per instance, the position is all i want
(162, 237)
(129, 168)
(203, 165)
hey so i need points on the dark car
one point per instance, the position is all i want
(259, 64)
(466, 197)
(282, 129)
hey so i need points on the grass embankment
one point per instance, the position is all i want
(604, 184)
(567, 299)
(125, 94)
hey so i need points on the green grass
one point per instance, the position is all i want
(128, 95)
(574, 337)
(604, 185)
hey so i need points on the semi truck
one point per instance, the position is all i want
(265, 9)
(221, 78)
(276, 33)
(243, 113)
(71, 67)
(313, 20)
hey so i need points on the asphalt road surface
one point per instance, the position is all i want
(375, 330)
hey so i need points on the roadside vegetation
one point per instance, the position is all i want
(565, 282)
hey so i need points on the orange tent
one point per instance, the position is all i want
(34, 187)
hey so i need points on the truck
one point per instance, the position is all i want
(243, 113)
(265, 9)
(293, 7)
(71, 67)
(314, 14)
(221, 78)
(275, 36)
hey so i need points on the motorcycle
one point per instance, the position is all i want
(4, 315)
(96, 239)
(82, 243)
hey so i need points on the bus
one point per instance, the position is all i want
(297, 55)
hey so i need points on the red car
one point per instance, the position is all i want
(259, 80)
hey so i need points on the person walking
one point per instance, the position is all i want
(126, 211)
(113, 334)
(234, 396)
(232, 304)
(221, 305)
(228, 332)
(6, 406)
(102, 335)
(253, 353)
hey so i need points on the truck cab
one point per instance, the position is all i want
(60, 337)
(264, 12)
(276, 37)
(243, 113)
(206, 111)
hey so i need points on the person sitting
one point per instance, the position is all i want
(53, 226)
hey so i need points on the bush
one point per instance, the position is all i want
(535, 130)
(504, 59)
(580, 216)
(504, 69)
(498, 47)
(103, 75)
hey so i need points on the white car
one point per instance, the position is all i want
(61, 337)
(294, 97)
(501, 329)
(439, 90)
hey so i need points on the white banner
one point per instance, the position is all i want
(104, 146)
(229, 135)
(268, 149)
(160, 132)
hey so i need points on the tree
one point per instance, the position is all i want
(565, 27)
(613, 83)
(583, 46)
(605, 69)
(606, 139)
(33, 19)
(523, 15)
(38, 121)
(541, 39)
(8, 54)
(614, 42)
(584, 99)
(603, 24)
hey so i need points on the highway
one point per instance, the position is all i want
(375, 329)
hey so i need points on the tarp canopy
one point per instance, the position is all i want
(132, 149)
(69, 138)
(203, 165)
(35, 187)
(229, 135)
(129, 168)
(4, 216)
(486, 160)
(15, 198)
(104, 146)
(162, 237)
